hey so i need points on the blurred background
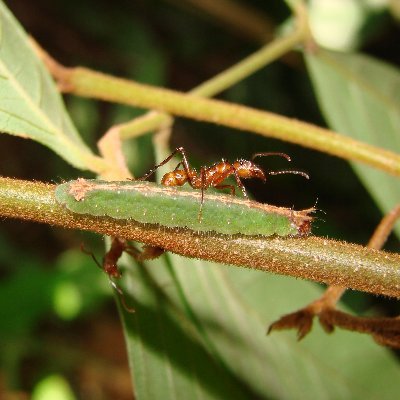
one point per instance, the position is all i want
(55, 301)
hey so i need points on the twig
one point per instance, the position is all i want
(322, 260)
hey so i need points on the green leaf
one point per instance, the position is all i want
(360, 367)
(199, 332)
(360, 97)
(30, 105)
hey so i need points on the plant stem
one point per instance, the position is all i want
(322, 260)
(88, 83)
(270, 52)
(226, 79)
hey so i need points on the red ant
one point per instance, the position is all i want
(215, 175)
(110, 267)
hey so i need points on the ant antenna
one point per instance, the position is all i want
(304, 174)
(284, 155)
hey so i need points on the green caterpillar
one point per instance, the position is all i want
(172, 207)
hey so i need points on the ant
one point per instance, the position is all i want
(109, 263)
(215, 175)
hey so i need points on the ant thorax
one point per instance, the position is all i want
(217, 173)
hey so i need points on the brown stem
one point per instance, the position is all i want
(378, 239)
(332, 262)
(385, 331)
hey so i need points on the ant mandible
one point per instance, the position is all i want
(110, 259)
(215, 175)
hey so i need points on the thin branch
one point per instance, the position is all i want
(378, 239)
(222, 81)
(332, 262)
(88, 83)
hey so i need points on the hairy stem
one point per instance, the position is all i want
(332, 262)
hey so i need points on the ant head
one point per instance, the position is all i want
(248, 169)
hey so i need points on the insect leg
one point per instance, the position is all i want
(203, 185)
(179, 164)
(180, 150)
(110, 267)
(90, 253)
(230, 187)
(239, 183)
(121, 296)
(189, 172)
(147, 253)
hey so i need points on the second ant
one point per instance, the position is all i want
(110, 259)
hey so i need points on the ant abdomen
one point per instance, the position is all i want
(174, 178)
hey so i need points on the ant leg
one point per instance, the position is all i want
(185, 163)
(230, 187)
(304, 174)
(148, 252)
(189, 172)
(239, 183)
(109, 263)
(90, 253)
(179, 164)
(284, 155)
(203, 185)
(112, 283)
(121, 297)
(112, 256)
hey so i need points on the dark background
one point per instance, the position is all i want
(175, 45)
